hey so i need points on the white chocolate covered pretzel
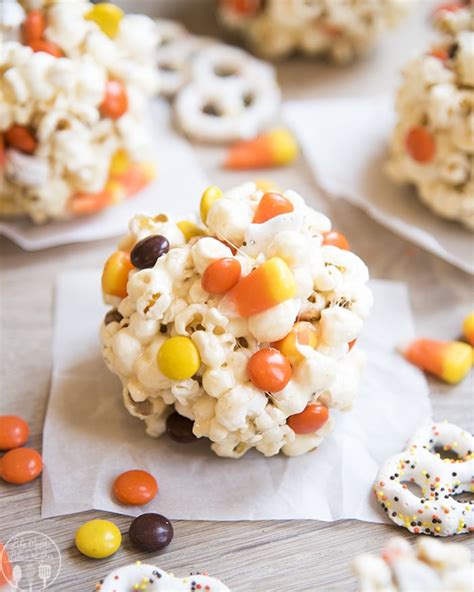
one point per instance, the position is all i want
(232, 95)
(141, 576)
(435, 512)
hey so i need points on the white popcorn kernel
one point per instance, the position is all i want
(276, 322)
(126, 350)
(238, 404)
(147, 369)
(339, 325)
(203, 410)
(292, 247)
(143, 329)
(229, 219)
(210, 349)
(217, 381)
(206, 251)
(26, 169)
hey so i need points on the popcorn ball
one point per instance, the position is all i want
(432, 146)
(244, 324)
(333, 28)
(75, 77)
(427, 565)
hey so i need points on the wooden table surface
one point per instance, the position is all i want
(257, 556)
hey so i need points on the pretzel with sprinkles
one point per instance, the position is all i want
(435, 512)
(148, 578)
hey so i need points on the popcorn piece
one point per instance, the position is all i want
(239, 359)
(73, 98)
(432, 146)
(339, 30)
(427, 565)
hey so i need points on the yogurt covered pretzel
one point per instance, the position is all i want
(435, 512)
(232, 95)
(72, 110)
(244, 325)
(141, 576)
(339, 30)
(428, 565)
(432, 146)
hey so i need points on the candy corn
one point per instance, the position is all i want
(268, 285)
(468, 328)
(448, 360)
(271, 149)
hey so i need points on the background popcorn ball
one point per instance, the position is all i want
(333, 28)
(432, 146)
(452, 17)
(428, 565)
(74, 81)
(244, 325)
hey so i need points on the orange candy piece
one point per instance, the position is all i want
(135, 488)
(33, 26)
(244, 7)
(268, 285)
(334, 238)
(221, 275)
(441, 53)
(352, 343)
(420, 144)
(46, 47)
(14, 432)
(269, 370)
(313, 417)
(303, 333)
(6, 571)
(448, 7)
(271, 205)
(115, 102)
(20, 137)
(115, 274)
(20, 465)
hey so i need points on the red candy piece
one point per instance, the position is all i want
(420, 144)
(20, 465)
(311, 419)
(135, 488)
(14, 432)
(272, 204)
(33, 26)
(269, 370)
(115, 102)
(221, 275)
(336, 239)
(20, 137)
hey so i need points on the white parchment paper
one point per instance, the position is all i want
(89, 437)
(345, 142)
(179, 182)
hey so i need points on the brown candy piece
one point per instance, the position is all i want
(180, 429)
(151, 532)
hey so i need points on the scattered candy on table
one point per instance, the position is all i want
(270, 149)
(151, 532)
(138, 576)
(98, 539)
(448, 360)
(237, 329)
(20, 465)
(434, 511)
(468, 328)
(6, 570)
(135, 488)
(14, 432)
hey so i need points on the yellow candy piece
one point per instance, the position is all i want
(98, 539)
(190, 229)
(107, 16)
(267, 185)
(178, 358)
(211, 195)
(284, 146)
(115, 274)
(468, 328)
(303, 333)
(119, 162)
